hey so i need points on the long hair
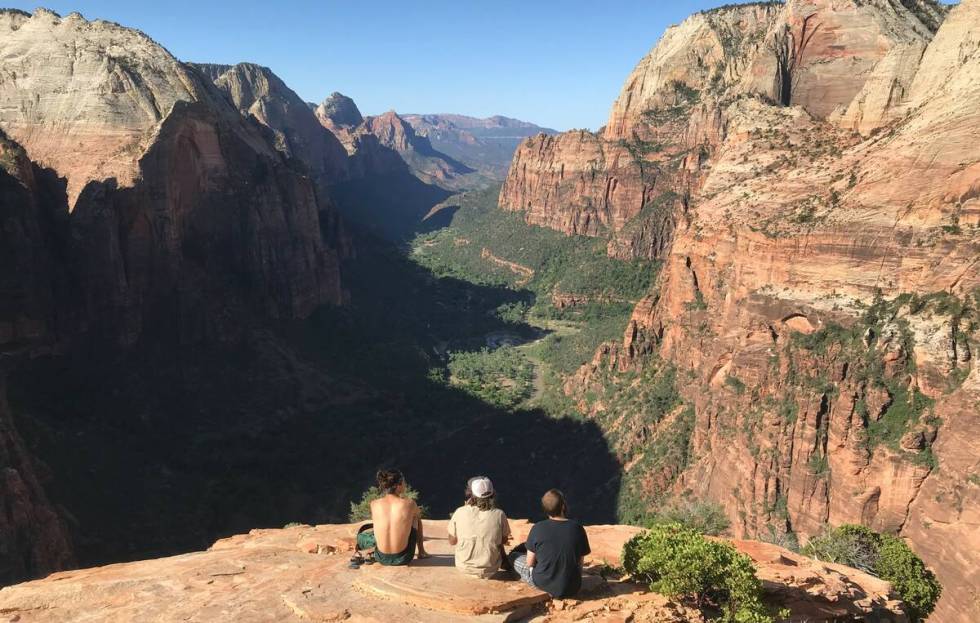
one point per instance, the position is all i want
(484, 504)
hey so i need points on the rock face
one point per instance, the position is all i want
(86, 107)
(137, 206)
(487, 145)
(849, 61)
(301, 574)
(179, 185)
(33, 539)
(819, 297)
(386, 144)
(258, 92)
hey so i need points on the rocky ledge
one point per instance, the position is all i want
(301, 574)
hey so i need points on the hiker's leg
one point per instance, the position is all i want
(421, 538)
(518, 561)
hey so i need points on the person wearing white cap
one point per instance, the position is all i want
(479, 530)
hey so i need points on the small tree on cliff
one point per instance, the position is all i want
(885, 556)
(681, 563)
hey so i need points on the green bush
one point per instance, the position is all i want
(681, 563)
(885, 556)
(361, 511)
(703, 517)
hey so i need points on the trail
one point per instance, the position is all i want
(553, 327)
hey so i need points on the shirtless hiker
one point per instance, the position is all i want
(397, 522)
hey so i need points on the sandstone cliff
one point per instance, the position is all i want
(301, 574)
(258, 92)
(104, 94)
(818, 302)
(154, 158)
(138, 206)
(849, 61)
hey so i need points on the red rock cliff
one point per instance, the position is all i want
(819, 299)
(185, 222)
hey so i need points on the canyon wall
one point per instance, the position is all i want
(818, 304)
(257, 91)
(138, 206)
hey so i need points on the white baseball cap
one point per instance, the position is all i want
(481, 487)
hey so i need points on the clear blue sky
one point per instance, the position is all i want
(556, 63)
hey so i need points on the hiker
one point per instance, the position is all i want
(554, 553)
(396, 522)
(479, 530)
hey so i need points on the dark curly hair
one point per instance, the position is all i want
(389, 480)
(484, 504)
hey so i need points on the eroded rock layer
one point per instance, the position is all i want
(818, 306)
(849, 61)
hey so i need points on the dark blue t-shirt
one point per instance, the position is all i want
(557, 546)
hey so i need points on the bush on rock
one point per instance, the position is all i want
(681, 563)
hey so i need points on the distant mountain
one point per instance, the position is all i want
(487, 145)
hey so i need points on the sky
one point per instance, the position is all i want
(559, 64)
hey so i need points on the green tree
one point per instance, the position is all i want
(885, 556)
(703, 517)
(678, 562)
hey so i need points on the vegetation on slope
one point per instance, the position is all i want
(681, 563)
(885, 556)
(568, 287)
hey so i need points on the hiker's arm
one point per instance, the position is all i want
(421, 537)
(531, 559)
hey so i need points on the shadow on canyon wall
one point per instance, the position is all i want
(163, 448)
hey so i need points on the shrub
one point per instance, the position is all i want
(702, 517)
(361, 511)
(885, 556)
(681, 563)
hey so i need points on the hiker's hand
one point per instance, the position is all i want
(423, 555)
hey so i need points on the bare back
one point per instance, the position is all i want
(393, 518)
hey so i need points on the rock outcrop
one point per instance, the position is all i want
(849, 61)
(301, 574)
(257, 91)
(387, 144)
(820, 293)
(167, 183)
(85, 98)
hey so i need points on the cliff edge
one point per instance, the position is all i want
(300, 574)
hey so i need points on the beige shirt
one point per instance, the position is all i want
(479, 536)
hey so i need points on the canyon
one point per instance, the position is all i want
(206, 303)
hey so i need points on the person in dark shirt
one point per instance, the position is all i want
(552, 557)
